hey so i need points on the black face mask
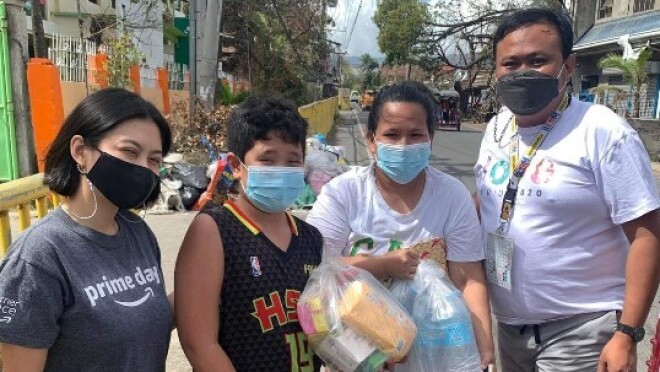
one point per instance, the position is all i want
(124, 184)
(527, 92)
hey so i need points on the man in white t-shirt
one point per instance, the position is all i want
(568, 205)
(370, 213)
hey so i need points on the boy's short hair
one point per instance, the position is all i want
(259, 116)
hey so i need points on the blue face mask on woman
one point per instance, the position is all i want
(402, 163)
(273, 189)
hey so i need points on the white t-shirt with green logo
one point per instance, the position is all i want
(355, 219)
(590, 175)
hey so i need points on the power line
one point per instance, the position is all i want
(350, 34)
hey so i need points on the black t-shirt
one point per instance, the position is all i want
(259, 327)
(97, 302)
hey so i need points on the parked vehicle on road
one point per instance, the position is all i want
(367, 99)
(449, 113)
(355, 96)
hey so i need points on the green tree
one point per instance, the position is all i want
(634, 72)
(281, 45)
(122, 55)
(400, 24)
(350, 78)
(370, 74)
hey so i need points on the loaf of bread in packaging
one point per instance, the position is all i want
(433, 249)
(378, 318)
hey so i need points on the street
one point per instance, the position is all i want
(453, 152)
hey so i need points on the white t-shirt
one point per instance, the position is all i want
(355, 219)
(591, 175)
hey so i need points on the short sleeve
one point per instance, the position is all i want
(330, 217)
(31, 304)
(625, 179)
(463, 234)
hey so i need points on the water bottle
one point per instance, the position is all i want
(445, 339)
(448, 337)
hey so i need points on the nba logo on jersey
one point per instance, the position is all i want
(256, 267)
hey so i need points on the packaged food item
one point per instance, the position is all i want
(364, 309)
(342, 311)
(432, 249)
(347, 350)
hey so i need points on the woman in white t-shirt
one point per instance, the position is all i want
(369, 213)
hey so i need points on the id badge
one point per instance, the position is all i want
(499, 258)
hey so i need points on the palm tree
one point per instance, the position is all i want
(634, 72)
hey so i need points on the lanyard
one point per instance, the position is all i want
(519, 166)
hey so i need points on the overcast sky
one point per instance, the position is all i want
(363, 39)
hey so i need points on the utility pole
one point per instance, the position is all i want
(192, 35)
(208, 69)
(83, 45)
(18, 56)
(38, 38)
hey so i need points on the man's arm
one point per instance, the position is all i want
(642, 277)
(470, 279)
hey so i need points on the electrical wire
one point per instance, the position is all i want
(350, 34)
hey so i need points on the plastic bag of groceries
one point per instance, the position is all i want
(351, 321)
(445, 339)
(320, 168)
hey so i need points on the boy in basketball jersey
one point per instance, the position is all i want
(242, 266)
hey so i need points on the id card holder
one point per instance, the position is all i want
(499, 259)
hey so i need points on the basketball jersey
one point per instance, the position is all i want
(259, 327)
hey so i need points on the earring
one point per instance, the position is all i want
(81, 169)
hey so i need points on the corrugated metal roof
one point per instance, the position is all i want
(637, 25)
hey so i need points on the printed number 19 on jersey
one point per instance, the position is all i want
(302, 358)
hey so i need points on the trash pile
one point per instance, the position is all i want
(322, 163)
(187, 131)
(188, 183)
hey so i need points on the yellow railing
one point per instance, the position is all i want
(18, 195)
(320, 115)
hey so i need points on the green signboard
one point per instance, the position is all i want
(182, 48)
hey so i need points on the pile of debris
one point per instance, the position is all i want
(205, 130)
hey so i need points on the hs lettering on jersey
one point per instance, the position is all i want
(136, 284)
(270, 309)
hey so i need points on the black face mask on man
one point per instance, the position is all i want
(124, 184)
(527, 92)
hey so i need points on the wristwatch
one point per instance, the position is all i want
(637, 334)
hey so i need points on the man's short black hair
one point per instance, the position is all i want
(92, 119)
(261, 116)
(406, 91)
(526, 17)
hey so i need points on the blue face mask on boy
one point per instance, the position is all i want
(273, 189)
(402, 163)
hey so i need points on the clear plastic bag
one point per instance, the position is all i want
(445, 339)
(343, 310)
(320, 168)
(191, 175)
